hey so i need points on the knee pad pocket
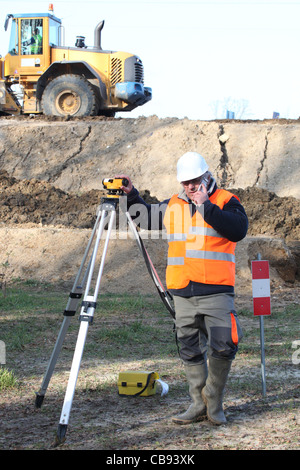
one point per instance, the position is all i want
(224, 340)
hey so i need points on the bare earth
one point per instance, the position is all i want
(50, 188)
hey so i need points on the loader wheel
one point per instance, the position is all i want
(69, 95)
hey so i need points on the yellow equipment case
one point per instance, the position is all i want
(137, 383)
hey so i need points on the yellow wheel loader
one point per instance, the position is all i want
(39, 75)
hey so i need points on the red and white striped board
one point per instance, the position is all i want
(261, 288)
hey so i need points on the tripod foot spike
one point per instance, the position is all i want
(61, 434)
(39, 400)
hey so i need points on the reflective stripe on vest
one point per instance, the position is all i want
(197, 252)
(177, 237)
(204, 231)
(210, 255)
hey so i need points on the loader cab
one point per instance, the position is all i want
(32, 36)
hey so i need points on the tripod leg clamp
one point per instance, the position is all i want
(73, 301)
(86, 314)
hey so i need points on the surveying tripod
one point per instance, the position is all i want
(82, 288)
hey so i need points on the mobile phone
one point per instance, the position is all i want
(204, 182)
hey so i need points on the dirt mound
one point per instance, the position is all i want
(37, 202)
(270, 214)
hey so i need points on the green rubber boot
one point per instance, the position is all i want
(213, 391)
(196, 376)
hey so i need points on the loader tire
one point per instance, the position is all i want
(70, 95)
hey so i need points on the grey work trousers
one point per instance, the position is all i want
(207, 325)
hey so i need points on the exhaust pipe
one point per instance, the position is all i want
(97, 35)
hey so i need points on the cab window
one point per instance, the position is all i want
(13, 47)
(53, 32)
(32, 36)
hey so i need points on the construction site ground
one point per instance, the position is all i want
(51, 173)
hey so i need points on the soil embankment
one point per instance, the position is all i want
(51, 173)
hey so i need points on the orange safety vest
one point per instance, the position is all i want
(196, 251)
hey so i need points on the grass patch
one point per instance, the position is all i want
(280, 330)
(31, 315)
(8, 379)
(124, 325)
(25, 312)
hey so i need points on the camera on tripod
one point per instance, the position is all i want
(113, 185)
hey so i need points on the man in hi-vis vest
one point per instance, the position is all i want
(203, 224)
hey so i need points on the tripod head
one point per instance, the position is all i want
(113, 185)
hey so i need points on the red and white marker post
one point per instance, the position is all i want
(261, 288)
(261, 304)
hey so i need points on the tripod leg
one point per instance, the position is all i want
(71, 308)
(64, 418)
(59, 342)
(86, 317)
(110, 225)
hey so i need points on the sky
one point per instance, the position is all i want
(200, 57)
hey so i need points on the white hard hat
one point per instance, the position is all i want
(190, 165)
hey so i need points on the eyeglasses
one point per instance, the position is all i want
(195, 181)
